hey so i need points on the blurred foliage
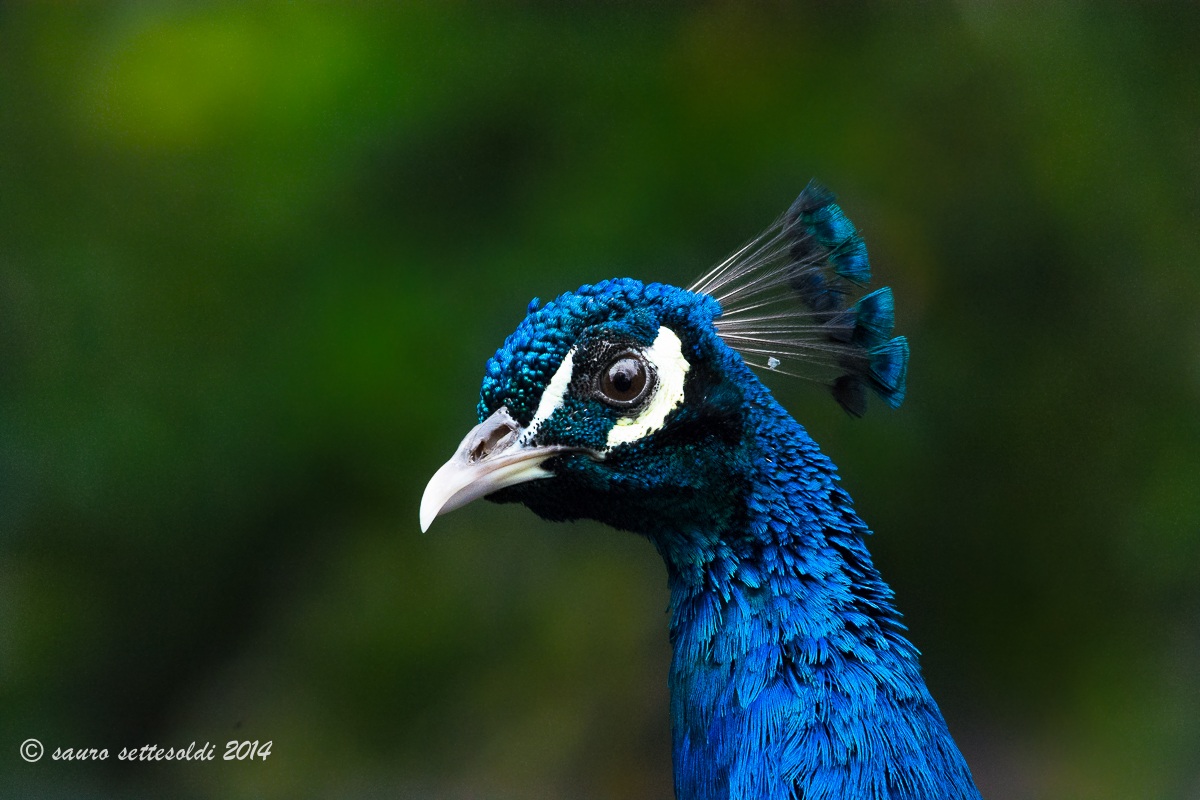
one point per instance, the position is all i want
(252, 260)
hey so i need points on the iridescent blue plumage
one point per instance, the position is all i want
(791, 675)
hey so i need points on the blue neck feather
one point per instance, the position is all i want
(791, 675)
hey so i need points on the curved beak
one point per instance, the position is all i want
(490, 458)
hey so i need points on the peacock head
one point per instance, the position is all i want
(627, 402)
(615, 402)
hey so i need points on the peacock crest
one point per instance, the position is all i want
(793, 302)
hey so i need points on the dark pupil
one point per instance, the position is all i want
(624, 379)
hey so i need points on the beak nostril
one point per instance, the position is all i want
(494, 437)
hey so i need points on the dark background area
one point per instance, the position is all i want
(252, 262)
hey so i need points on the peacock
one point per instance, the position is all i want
(635, 404)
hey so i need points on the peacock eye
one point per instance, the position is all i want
(625, 380)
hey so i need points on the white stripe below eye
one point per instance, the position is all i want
(666, 354)
(552, 396)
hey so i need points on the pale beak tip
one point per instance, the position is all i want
(429, 511)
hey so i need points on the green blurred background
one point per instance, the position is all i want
(252, 261)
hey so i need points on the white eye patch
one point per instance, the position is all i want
(670, 366)
(552, 395)
(666, 354)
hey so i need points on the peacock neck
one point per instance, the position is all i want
(791, 676)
